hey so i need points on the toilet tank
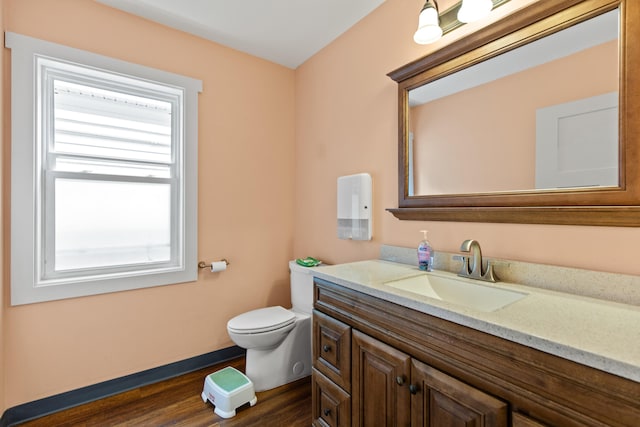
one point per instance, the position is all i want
(301, 288)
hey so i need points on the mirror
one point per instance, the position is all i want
(527, 120)
(550, 124)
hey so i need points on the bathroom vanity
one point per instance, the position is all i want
(383, 355)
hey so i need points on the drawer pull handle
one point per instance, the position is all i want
(326, 348)
(413, 389)
(326, 412)
(400, 380)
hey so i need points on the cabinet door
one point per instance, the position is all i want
(331, 404)
(380, 379)
(439, 400)
(332, 349)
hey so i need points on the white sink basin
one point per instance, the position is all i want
(458, 290)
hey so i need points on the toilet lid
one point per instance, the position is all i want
(261, 320)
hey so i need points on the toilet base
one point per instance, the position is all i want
(288, 362)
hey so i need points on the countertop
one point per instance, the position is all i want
(602, 334)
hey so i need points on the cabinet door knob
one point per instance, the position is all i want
(400, 379)
(326, 348)
(413, 389)
(326, 412)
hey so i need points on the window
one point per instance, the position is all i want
(104, 174)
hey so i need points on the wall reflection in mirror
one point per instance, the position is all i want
(542, 116)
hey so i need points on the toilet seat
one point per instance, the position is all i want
(261, 320)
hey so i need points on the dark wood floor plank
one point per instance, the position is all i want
(177, 402)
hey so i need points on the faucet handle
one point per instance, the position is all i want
(489, 275)
(464, 270)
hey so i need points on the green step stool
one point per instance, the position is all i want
(228, 389)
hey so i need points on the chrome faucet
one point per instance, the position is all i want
(474, 270)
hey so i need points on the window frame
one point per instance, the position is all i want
(28, 175)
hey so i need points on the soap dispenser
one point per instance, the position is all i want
(425, 253)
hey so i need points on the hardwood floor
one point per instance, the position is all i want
(177, 402)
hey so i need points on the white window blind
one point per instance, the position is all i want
(98, 122)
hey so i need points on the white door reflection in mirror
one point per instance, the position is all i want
(577, 143)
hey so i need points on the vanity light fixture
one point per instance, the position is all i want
(474, 10)
(428, 24)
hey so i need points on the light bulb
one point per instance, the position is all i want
(473, 10)
(428, 26)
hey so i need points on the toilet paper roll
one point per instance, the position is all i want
(217, 266)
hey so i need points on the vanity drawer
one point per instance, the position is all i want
(332, 349)
(331, 404)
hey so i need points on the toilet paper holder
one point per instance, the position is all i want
(203, 264)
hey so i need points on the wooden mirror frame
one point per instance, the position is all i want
(616, 206)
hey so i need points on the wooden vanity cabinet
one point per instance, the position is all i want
(393, 366)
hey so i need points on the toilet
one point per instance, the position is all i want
(278, 340)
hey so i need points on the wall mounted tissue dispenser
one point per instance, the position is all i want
(354, 207)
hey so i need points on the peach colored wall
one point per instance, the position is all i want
(346, 122)
(246, 175)
(463, 146)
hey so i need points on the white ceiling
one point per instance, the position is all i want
(287, 32)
